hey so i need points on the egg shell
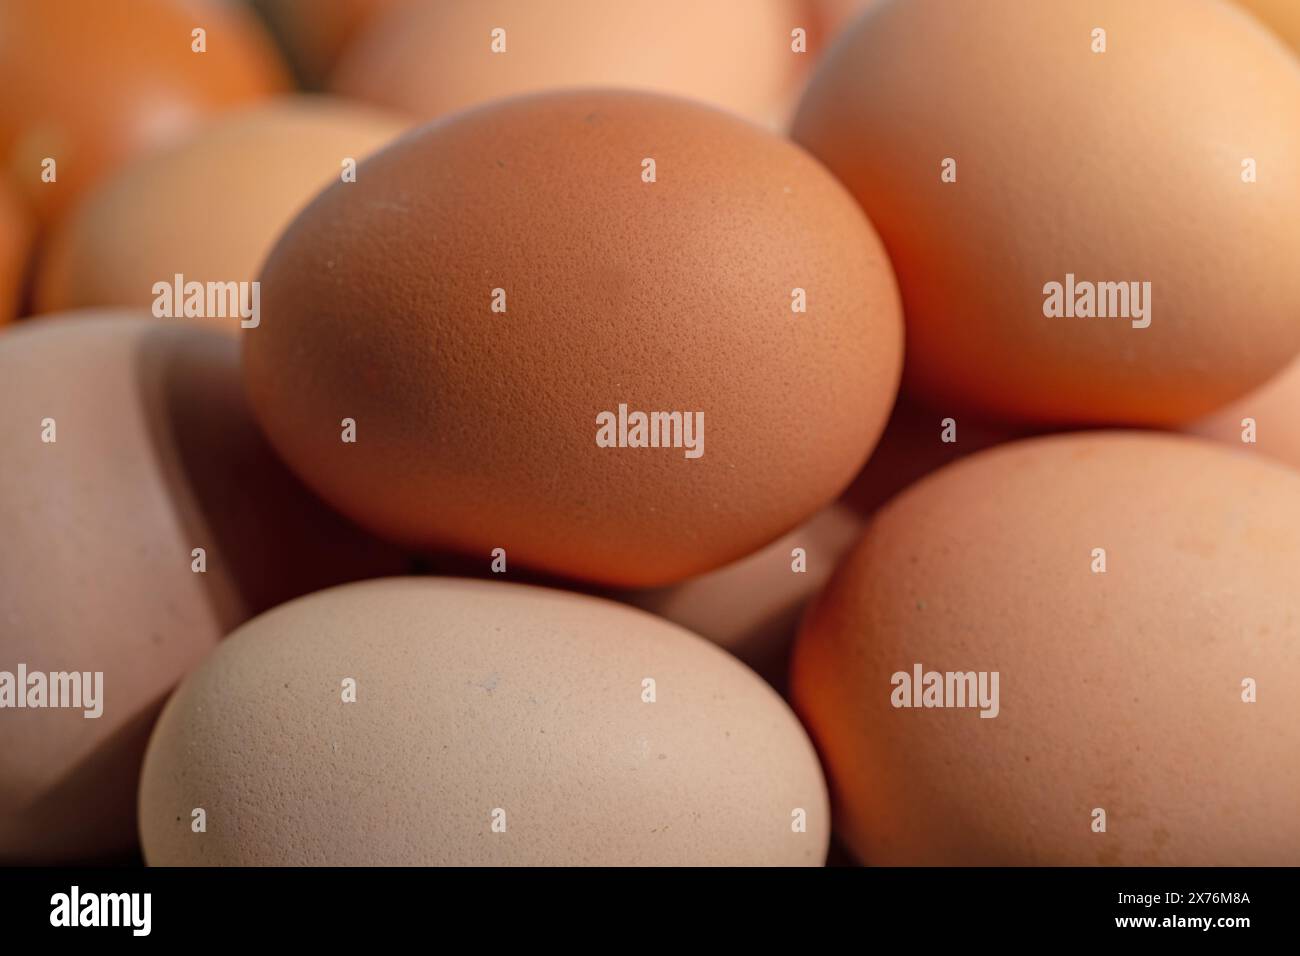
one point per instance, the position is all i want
(94, 83)
(155, 454)
(1120, 166)
(1120, 691)
(208, 208)
(1269, 417)
(1280, 16)
(15, 246)
(431, 59)
(480, 427)
(493, 724)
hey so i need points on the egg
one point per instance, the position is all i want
(102, 82)
(316, 32)
(1281, 16)
(1267, 420)
(430, 59)
(1070, 650)
(15, 243)
(143, 518)
(451, 722)
(617, 337)
(1063, 189)
(209, 208)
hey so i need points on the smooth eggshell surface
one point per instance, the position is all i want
(15, 244)
(1267, 420)
(209, 208)
(430, 59)
(492, 724)
(1281, 16)
(1121, 691)
(1124, 166)
(154, 454)
(480, 425)
(91, 83)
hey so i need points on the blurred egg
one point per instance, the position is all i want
(450, 722)
(128, 445)
(15, 244)
(481, 360)
(430, 59)
(315, 32)
(1130, 592)
(1281, 16)
(1267, 419)
(208, 208)
(93, 83)
(1053, 162)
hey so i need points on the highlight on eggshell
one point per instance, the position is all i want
(532, 372)
(207, 211)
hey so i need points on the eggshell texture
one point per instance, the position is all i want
(1281, 16)
(102, 82)
(473, 701)
(480, 427)
(1122, 166)
(209, 208)
(15, 243)
(155, 454)
(430, 59)
(1274, 413)
(1119, 691)
(316, 32)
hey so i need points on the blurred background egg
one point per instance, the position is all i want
(473, 343)
(314, 33)
(208, 208)
(91, 84)
(15, 246)
(491, 724)
(1267, 420)
(1120, 690)
(430, 59)
(1126, 166)
(127, 445)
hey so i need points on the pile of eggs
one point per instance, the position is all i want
(663, 432)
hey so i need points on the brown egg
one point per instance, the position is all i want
(430, 59)
(454, 348)
(127, 445)
(1136, 597)
(103, 82)
(15, 243)
(449, 722)
(1267, 420)
(1281, 16)
(1024, 185)
(208, 208)
(315, 32)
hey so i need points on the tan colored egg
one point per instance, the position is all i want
(1267, 420)
(316, 32)
(462, 373)
(1062, 190)
(15, 244)
(209, 208)
(91, 84)
(1136, 596)
(440, 721)
(1281, 16)
(127, 446)
(430, 59)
